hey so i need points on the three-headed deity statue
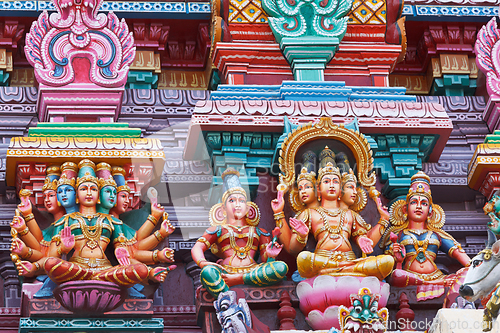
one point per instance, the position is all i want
(333, 225)
(87, 194)
(416, 224)
(236, 238)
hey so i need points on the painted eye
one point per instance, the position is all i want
(358, 309)
(373, 309)
(476, 263)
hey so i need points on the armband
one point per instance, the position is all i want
(204, 241)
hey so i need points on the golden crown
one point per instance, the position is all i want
(49, 185)
(125, 188)
(64, 180)
(348, 177)
(118, 170)
(103, 165)
(304, 175)
(53, 170)
(420, 185)
(106, 182)
(88, 177)
(329, 169)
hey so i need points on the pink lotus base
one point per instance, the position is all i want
(88, 298)
(321, 296)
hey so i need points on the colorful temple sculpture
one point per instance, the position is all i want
(249, 166)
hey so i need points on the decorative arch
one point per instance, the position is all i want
(326, 129)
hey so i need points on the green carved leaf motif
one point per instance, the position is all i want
(299, 18)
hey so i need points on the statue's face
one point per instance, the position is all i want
(50, 201)
(418, 208)
(307, 193)
(122, 202)
(329, 187)
(108, 197)
(349, 193)
(236, 207)
(88, 193)
(66, 195)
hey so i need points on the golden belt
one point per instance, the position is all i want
(240, 270)
(337, 256)
(430, 276)
(93, 264)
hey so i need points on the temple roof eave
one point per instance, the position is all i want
(385, 117)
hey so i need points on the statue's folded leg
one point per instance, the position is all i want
(123, 275)
(310, 264)
(61, 271)
(211, 279)
(378, 266)
(266, 274)
(401, 278)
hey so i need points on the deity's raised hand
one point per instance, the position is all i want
(152, 194)
(382, 210)
(299, 226)
(167, 255)
(278, 204)
(17, 246)
(18, 223)
(25, 268)
(365, 244)
(398, 250)
(157, 210)
(167, 227)
(273, 249)
(25, 206)
(123, 256)
(67, 240)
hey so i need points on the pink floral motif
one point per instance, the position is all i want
(76, 30)
(487, 48)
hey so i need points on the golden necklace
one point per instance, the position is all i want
(92, 234)
(334, 213)
(333, 233)
(241, 252)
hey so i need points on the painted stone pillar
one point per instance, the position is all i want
(308, 32)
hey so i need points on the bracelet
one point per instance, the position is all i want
(300, 239)
(278, 217)
(152, 219)
(30, 253)
(59, 251)
(204, 241)
(37, 265)
(155, 256)
(384, 224)
(23, 232)
(29, 217)
(158, 236)
(199, 261)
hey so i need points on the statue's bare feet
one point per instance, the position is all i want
(232, 279)
(159, 274)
